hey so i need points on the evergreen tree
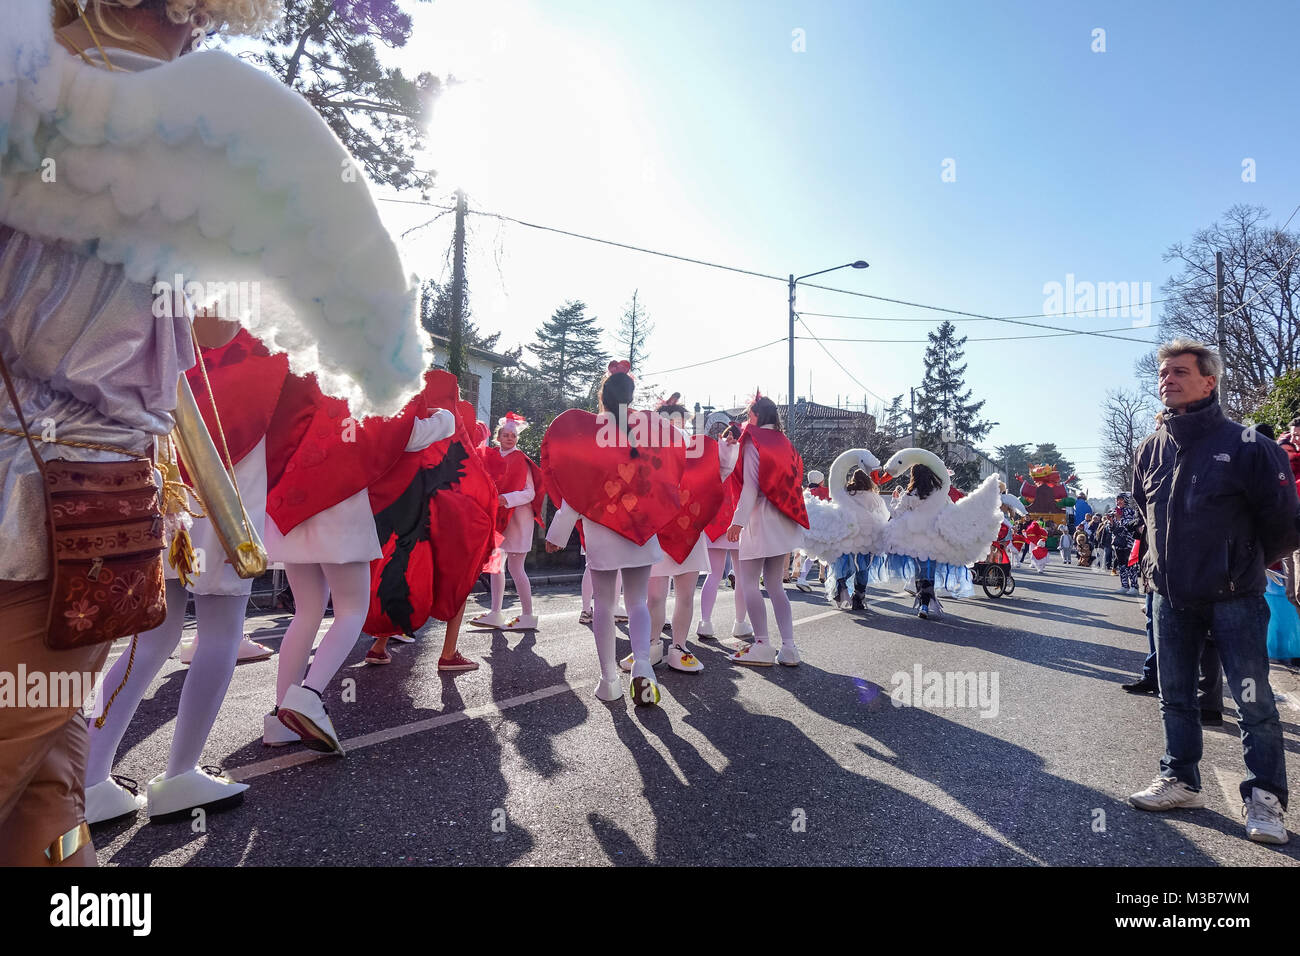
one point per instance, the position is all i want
(570, 358)
(1047, 454)
(1012, 460)
(892, 427)
(945, 415)
(435, 315)
(633, 332)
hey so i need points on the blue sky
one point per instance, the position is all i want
(696, 128)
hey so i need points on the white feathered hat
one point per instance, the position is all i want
(511, 423)
(815, 477)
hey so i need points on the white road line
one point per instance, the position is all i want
(261, 767)
(1231, 787)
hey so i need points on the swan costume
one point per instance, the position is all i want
(848, 530)
(936, 532)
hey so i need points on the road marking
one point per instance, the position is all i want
(1287, 700)
(1231, 787)
(262, 767)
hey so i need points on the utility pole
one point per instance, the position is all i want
(456, 345)
(789, 408)
(912, 415)
(1220, 332)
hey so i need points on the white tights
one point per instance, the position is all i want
(709, 594)
(771, 569)
(605, 590)
(587, 591)
(313, 585)
(220, 631)
(683, 604)
(523, 587)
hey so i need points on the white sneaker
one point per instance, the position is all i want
(758, 654)
(276, 734)
(492, 619)
(303, 712)
(656, 655)
(609, 690)
(680, 659)
(742, 629)
(185, 653)
(803, 584)
(108, 800)
(788, 655)
(176, 796)
(524, 622)
(1263, 813)
(1166, 793)
(250, 650)
(705, 629)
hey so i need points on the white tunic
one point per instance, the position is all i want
(767, 531)
(519, 532)
(606, 550)
(697, 560)
(345, 533)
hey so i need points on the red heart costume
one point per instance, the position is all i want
(702, 495)
(247, 381)
(510, 473)
(780, 471)
(435, 513)
(588, 465)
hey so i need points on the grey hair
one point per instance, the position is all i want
(1207, 360)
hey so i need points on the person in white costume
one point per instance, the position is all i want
(518, 538)
(721, 548)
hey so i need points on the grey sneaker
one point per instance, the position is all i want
(1263, 813)
(1166, 793)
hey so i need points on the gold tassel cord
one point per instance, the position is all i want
(99, 721)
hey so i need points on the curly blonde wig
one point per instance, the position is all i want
(250, 17)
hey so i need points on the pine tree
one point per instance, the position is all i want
(1047, 454)
(435, 315)
(945, 415)
(1012, 460)
(570, 358)
(633, 332)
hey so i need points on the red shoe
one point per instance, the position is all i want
(457, 662)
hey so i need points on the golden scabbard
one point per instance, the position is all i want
(215, 487)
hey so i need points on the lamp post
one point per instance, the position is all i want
(860, 264)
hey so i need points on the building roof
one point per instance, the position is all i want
(492, 358)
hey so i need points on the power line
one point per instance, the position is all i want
(1036, 315)
(999, 338)
(832, 357)
(775, 278)
(720, 358)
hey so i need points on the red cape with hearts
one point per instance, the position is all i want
(780, 471)
(509, 472)
(701, 493)
(588, 463)
(436, 518)
(247, 381)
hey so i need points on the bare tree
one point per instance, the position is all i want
(633, 331)
(1127, 417)
(1261, 274)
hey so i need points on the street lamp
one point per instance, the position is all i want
(860, 264)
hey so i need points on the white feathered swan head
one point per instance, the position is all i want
(905, 458)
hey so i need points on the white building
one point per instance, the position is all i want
(476, 384)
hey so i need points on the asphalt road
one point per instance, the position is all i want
(518, 762)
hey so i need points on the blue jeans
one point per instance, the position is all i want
(1239, 629)
(1149, 668)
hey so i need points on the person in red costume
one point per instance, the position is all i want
(1037, 538)
(436, 517)
(767, 523)
(606, 470)
(684, 543)
(321, 463)
(519, 483)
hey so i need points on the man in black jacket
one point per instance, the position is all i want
(1219, 505)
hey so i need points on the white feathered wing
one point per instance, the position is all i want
(208, 168)
(971, 523)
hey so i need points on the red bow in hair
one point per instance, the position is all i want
(622, 365)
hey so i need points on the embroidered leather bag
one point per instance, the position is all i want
(105, 528)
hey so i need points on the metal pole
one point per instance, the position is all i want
(912, 417)
(456, 343)
(789, 408)
(1220, 332)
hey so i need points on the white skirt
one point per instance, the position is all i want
(343, 534)
(769, 532)
(697, 560)
(610, 551)
(519, 532)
